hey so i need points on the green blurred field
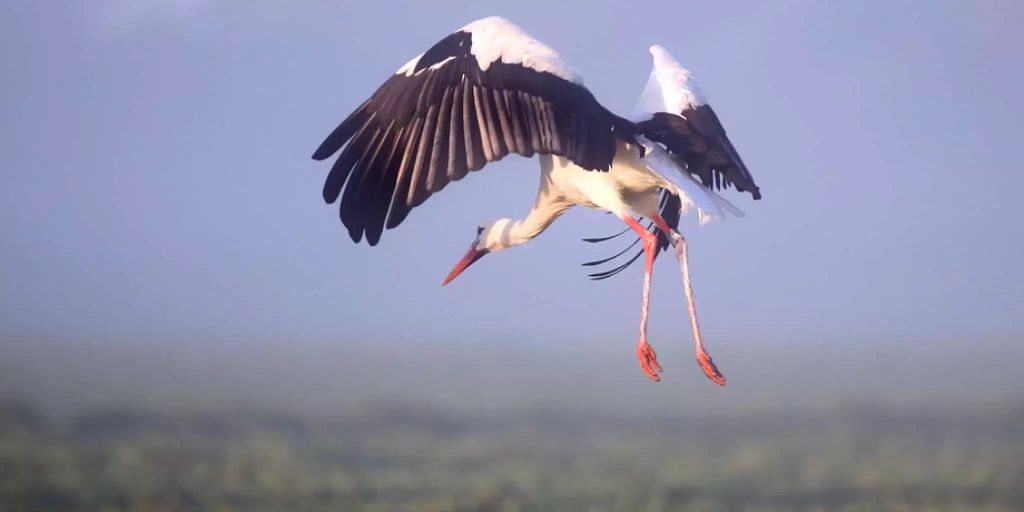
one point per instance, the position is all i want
(306, 426)
(404, 457)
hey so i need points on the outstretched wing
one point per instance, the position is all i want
(485, 91)
(672, 111)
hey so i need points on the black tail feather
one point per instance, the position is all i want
(602, 239)
(606, 260)
(670, 207)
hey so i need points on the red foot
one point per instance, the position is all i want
(704, 360)
(648, 360)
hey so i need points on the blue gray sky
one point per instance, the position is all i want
(157, 184)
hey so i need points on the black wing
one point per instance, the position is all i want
(444, 116)
(697, 139)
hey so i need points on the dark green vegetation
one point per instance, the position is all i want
(400, 457)
(559, 427)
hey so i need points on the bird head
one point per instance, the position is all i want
(490, 238)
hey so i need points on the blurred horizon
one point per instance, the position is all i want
(325, 377)
(506, 428)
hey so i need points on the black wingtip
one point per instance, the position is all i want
(323, 152)
(355, 231)
(330, 145)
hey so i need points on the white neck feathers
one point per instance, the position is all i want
(505, 233)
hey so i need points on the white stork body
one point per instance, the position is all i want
(628, 186)
(488, 90)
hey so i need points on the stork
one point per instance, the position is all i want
(488, 90)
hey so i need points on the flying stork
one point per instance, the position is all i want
(488, 90)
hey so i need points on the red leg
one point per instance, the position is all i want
(703, 358)
(662, 225)
(644, 351)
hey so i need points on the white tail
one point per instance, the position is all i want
(691, 193)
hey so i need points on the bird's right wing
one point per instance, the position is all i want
(486, 90)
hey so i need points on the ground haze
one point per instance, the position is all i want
(352, 426)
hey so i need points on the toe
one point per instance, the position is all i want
(646, 366)
(710, 370)
(656, 365)
(652, 358)
(650, 373)
(648, 360)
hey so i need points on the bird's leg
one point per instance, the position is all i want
(703, 358)
(644, 351)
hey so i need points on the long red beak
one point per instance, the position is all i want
(471, 256)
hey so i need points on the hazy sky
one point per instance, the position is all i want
(157, 183)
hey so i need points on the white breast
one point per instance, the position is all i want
(629, 184)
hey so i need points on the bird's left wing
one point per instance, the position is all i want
(484, 91)
(673, 111)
